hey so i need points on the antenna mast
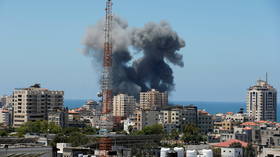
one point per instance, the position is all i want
(266, 77)
(107, 93)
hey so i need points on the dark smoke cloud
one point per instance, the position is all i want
(141, 56)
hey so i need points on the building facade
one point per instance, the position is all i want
(205, 122)
(178, 117)
(58, 117)
(262, 102)
(153, 99)
(123, 105)
(34, 103)
(5, 117)
(145, 118)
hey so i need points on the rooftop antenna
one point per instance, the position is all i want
(266, 77)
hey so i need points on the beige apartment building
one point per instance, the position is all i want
(153, 99)
(34, 103)
(262, 102)
(178, 117)
(144, 118)
(123, 105)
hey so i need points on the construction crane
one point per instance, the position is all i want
(107, 92)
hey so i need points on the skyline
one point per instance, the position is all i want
(50, 42)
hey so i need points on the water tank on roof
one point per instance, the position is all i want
(207, 153)
(180, 151)
(164, 151)
(191, 153)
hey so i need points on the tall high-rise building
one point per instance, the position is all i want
(34, 103)
(153, 99)
(262, 101)
(123, 105)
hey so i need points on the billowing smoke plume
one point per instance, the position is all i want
(140, 55)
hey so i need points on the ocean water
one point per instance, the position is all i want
(211, 107)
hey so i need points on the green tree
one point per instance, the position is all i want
(69, 130)
(88, 130)
(3, 133)
(250, 151)
(236, 145)
(130, 129)
(53, 128)
(38, 127)
(174, 135)
(217, 152)
(77, 139)
(153, 129)
(59, 138)
(192, 135)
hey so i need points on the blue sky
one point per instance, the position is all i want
(229, 44)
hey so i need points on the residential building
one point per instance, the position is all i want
(231, 152)
(5, 117)
(91, 105)
(205, 122)
(269, 136)
(59, 117)
(178, 117)
(237, 117)
(128, 124)
(6, 101)
(123, 105)
(34, 103)
(262, 101)
(145, 118)
(270, 152)
(227, 125)
(171, 119)
(153, 99)
(189, 115)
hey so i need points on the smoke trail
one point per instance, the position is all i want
(157, 44)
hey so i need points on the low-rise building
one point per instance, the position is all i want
(270, 152)
(128, 124)
(5, 117)
(231, 152)
(59, 117)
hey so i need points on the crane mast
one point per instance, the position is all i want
(107, 93)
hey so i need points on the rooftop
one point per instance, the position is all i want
(229, 142)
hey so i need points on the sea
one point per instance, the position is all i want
(211, 107)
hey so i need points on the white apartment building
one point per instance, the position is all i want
(262, 102)
(153, 99)
(34, 103)
(123, 105)
(238, 117)
(231, 152)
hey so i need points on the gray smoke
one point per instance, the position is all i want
(140, 55)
